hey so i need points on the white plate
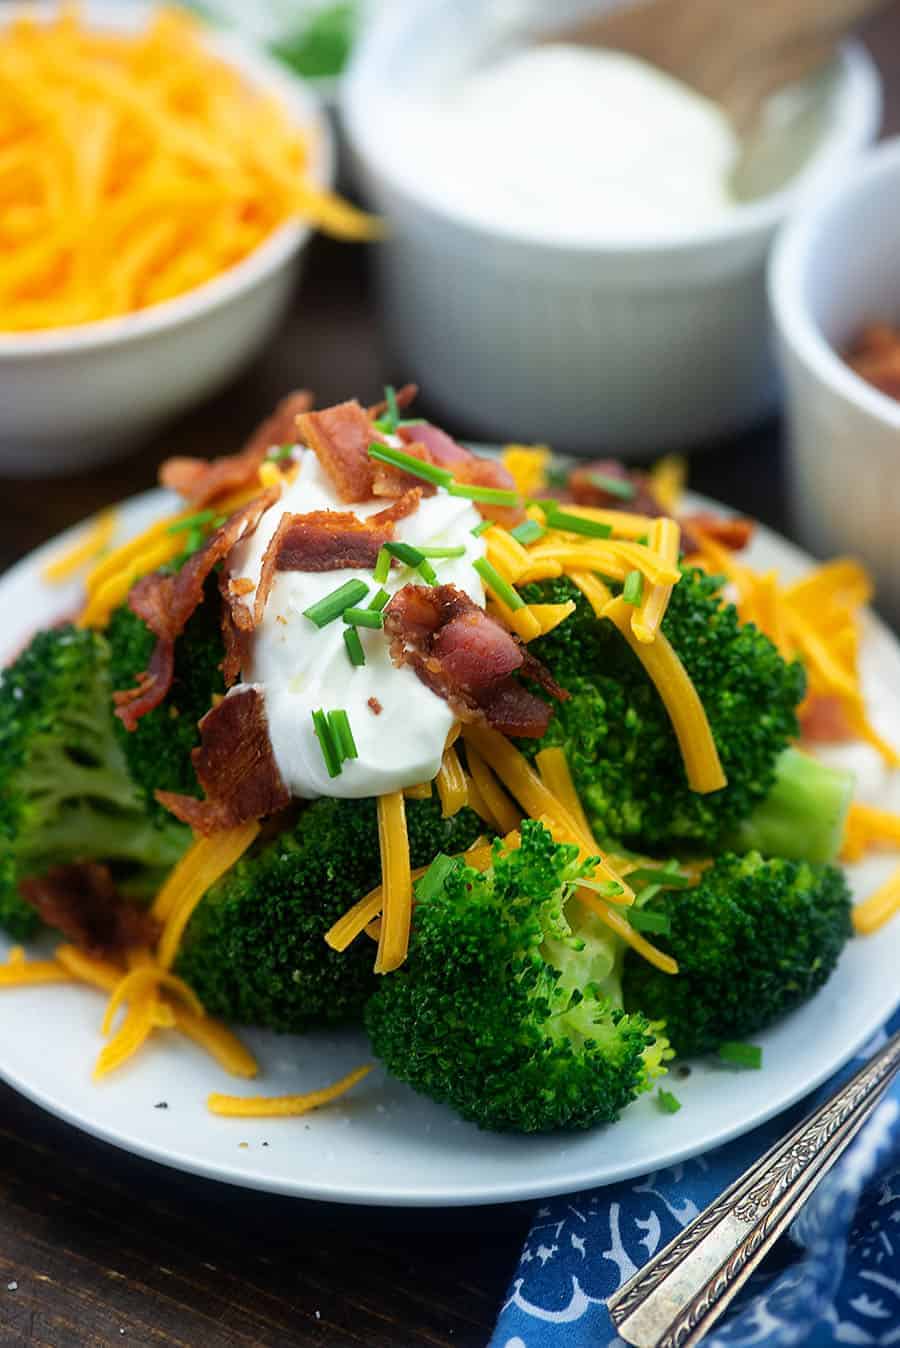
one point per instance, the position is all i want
(382, 1144)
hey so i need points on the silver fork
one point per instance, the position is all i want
(674, 1300)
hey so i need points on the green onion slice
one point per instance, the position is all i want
(363, 617)
(332, 606)
(280, 454)
(668, 877)
(382, 565)
(354, 647)
(339, 725)
(330, 750)
(498, 586)
(490, 495)
(615, 486)
(576, 524)
(481, 528)
(457, 551)
(641, 920)
(203, 517)
(741, 1055)
(529, 531)
(633, 589)
(408, 464)
(429, 885)
(668, 1103)
(380, 599)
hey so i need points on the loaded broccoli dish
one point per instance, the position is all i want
(511, 765)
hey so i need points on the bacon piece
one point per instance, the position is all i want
(405, 396)
(329, 540)
(235, 765)
(166, 602)
(405, 505)
(444, 450)
(374, 706)
(390, 481)
(202, 481)
(733, 534)
(467, 658)
(81, 901)
(235, 641)
(823, 720)
(340, 437)
(585, 488)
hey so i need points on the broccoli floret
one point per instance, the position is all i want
(253, 950)
(804, 814)
(618, 738)
(65, 791)
(508, 1007)
(158, 752)
(753, 940)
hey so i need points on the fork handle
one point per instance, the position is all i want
(673, 1300)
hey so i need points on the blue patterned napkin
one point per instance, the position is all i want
(834, 1280)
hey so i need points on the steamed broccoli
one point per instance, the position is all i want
(509, 1006)
(753, 940)
(65, 791)
(158, 752)
(621, 747)
(253, 950)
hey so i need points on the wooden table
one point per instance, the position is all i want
(98, 1247)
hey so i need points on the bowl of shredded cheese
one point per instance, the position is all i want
(158, 184)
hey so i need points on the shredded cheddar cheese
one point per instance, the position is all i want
(19, 972)
(200, 867)
(91, 544)
(680, 699)
(283, 1106)
(595, 592)
(219, 1042)
(506, 554)
(498, 803)
(879, 907)
(549, 616)
(137, 166)
(451, 784)
(867, 827)
(665, 540)
(667, 478)
(527, 465)
(423, 791)
(396, 879)
(521, 620)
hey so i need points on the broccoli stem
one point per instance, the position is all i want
(803, 816)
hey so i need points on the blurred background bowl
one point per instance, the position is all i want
(835, 270)
(77, 396)
(609, 343)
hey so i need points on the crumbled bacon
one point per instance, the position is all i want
(203, 481)
(81, 901)
(405, 505)
(166, 602)
(340, 437)
(390, 481)
(443, 449)
(733, 534)
(235, 765)
(823, 720)
(329, 540)
(467, 658)
(374, 706)
(466, 467)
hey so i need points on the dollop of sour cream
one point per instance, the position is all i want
(574, 141)
(300, 667)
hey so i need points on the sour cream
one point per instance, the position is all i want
(570, 141)
(300, 667)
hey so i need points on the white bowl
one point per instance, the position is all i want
(836, 268)
(76, 396)
(636, 346)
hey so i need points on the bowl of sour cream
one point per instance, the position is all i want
(573, 256)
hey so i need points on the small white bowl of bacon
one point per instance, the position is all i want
(152, 222)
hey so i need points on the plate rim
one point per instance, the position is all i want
(502, 1191)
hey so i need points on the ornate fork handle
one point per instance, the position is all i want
(675, 1298)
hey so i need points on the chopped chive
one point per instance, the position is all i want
(280, 454)
(411, 421)
(354, 647)
(325, 736)
(741, 1055)
(615, 486)
(332, 606)
(490, 495)
(577, 524)
(641, 920)
(382, 565)
(363, 617)
(458, 551)
(668, 1103)
(665, 876)
(192, 522)
(429, 885)
(408, 464)
(481, 528)
(529, 531)
(410, 556)
(393, 411)
(607, 889)
(379, 600)
(647, 893)
(633, 588)
(545, 503)
(500, 587)
(339, 725)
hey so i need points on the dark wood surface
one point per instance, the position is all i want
(101, 1248)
